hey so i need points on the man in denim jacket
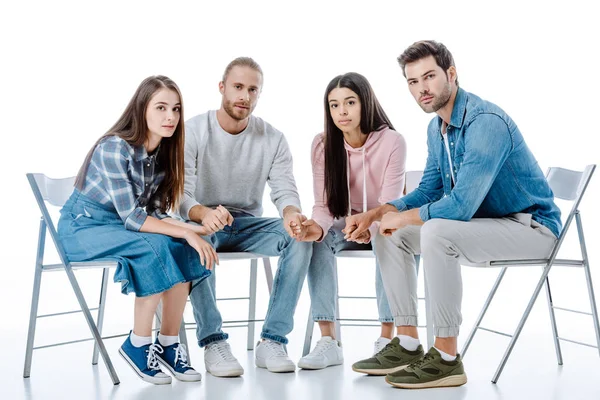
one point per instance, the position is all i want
(482, 197)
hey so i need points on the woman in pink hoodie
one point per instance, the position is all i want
(358, 164)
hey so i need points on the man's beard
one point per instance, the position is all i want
(234, 113)
(439, 101)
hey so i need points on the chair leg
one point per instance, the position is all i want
(183, 339)
(483, 311)
(515, 336)
(429, 318)
(158, 319)
(90, 321)
(35, 297)
(101, 308)
(252, 303)
(310, 326)
(268, 273)
(553, 323)
(338, 325)
(588, 278)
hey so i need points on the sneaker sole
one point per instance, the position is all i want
(449, 381)
(157, 381)
(283, 368)
(305, 365)
(226, 374)
(180, 376)
(379, 372)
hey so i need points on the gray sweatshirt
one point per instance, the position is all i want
(231, 170)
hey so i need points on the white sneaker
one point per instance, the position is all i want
(326, 353)
(272, 356)
(219, 361)
(380, 344)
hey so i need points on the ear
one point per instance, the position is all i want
(222, 87)
(452, 74)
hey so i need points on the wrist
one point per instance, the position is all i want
(198, 213)
(382, 210)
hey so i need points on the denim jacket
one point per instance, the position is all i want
(496, 174)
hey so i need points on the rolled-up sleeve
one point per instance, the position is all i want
(112, 161)
(430, 188)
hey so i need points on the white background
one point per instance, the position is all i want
(69, 68)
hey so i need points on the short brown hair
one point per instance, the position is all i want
(242, 62)
(426, 48)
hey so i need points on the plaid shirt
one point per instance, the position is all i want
(125, 177)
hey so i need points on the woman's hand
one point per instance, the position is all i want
(208, 255)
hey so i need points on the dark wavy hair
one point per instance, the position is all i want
(133, 128)
(372, 118)
(426, 48)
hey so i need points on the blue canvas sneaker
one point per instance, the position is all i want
(174, 358)
(144, 361)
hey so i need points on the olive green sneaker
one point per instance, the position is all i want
(391, 358)
(428, 372)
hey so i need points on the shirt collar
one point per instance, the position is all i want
(458, 111)
(140, 153)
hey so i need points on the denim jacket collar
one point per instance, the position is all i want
(458, 111)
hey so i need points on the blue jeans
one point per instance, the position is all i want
(265, 236)
(322, 284)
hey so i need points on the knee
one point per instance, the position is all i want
(436, 232)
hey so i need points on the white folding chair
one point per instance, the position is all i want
(566, 185)
(412, 180)
(56, 192)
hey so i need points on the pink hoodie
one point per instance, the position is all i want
(383, 157)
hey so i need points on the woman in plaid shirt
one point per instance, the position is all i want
(129, 180)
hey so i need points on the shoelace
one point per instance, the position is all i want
(377, 345)
(322, 346)
(152, 362)
(276, 348)
(223, 349)
(420, 362)
(387, 346)
(181, 356)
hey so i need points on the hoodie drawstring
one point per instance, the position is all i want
(364, 166)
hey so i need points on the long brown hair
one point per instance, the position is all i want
(372, 118)
(133, 128)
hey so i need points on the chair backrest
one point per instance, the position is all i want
(55, 192)
(412, 180)
(571, 186)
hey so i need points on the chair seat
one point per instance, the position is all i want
(355, 254)
(239, 255)
(82, 265)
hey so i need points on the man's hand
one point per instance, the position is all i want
(312, 231)
(215, 220)
(357, 224)
(292, 221)
(392, 221)
(364, 237)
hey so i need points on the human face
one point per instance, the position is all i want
(162, 116)
(429, 84)
(240, 91)
(344, 107)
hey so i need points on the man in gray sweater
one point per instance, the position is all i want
(229, 157)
